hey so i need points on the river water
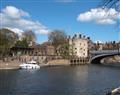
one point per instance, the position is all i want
(63, 80)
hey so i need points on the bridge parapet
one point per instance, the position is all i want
(104, 52)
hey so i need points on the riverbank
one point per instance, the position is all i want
(9, 65)
(112, 61)
(58, 62)
(15, 64)
(109, 61)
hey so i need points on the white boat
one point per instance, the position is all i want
(115, 91)
(30, 65)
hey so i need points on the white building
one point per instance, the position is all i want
(79, 46)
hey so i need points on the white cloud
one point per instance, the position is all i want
(19, 21)
(13, 12)
(100, 16)
(106, 21)
(16, 30)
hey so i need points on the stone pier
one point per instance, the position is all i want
(79, 61)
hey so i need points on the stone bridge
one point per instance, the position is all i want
(97, 56)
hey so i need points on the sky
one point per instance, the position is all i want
(86, 17)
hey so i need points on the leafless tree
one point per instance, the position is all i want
(29, 36)
(57, 37)
(114, 4)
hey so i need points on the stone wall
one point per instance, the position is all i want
(58, 62)
(113, 59)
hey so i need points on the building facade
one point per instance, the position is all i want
(106, 46)
(79, 46)
(18, 51)
(44, 49)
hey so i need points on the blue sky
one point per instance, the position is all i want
(67, 15)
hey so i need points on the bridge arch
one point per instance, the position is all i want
(97, 59)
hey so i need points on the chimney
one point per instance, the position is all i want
(80, 36)
(75, 36)
(83, 36)
(69, 37)
(88, 38)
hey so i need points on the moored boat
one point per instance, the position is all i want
(30, 65)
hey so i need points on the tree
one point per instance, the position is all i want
(63, 50)
(7, 40)
(114, 4)
(29, 36)
(57, 37)
(26, 40)
(21, 43)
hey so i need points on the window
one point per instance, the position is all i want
(83, 53)
(80, 48)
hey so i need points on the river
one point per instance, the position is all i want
(63, 80)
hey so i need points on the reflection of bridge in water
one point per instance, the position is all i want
(97, 56)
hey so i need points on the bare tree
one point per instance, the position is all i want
(114, 4)
(57, 37)
(29, 36)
